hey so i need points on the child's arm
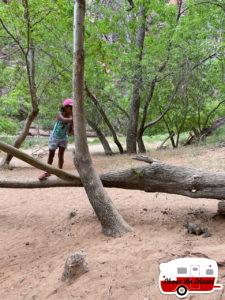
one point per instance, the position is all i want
(60, 117)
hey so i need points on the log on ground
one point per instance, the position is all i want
(157, 177)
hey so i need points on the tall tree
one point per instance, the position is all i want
(101, 136)
(105, 118)
(28, 55)
(137, 83)
(111, 221)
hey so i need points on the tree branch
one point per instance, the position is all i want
(119, 107)
(36, 163)
(151, 123)
(204, 2)
(203, 61)
(41, 19)
(13, 37)
(105, 118)
(211, 112)
(28, 23)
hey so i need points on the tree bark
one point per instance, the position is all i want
(141, 145)
(111, 221)
(135, 101)
(101, 136)
(155, 177)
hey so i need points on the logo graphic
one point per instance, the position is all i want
(183, 276)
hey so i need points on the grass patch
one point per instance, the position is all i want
(93, 141)
(155, 138)
(7, 139)
(161, 137)
(29, 142)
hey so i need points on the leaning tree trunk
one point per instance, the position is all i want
(141, 145)
(171, 135)
(135, 101)
(20, 139)
(111, 221)
(101, 136)
(30, 68)
(105, 118)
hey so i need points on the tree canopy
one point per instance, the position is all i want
(182, 63)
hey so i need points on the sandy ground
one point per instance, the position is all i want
(36, 235)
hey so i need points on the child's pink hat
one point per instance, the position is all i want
(68, 102)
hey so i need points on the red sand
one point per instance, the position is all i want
(37, 236)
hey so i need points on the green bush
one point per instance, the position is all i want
(8, 126)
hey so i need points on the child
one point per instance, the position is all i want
(58, 137)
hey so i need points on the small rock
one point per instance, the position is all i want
(22, 280)
(196, 229)
(27, 243)
(206, 233)
(72, 214)
(75, 266)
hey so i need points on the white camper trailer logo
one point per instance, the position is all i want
(188, 275)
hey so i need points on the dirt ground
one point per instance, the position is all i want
(36, 234)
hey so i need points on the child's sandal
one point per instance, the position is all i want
(44, 176)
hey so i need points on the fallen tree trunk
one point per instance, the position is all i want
(155, 177)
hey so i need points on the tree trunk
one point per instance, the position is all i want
(141, 129)
(141, 145)
(166, 139)
(101, 136)
(20, 139)
(30, 68)
(156, 177)
(135, 101)
(105, 118)
(111, 221)
(171, 133)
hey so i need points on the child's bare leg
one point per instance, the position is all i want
(61, 157)
(51, 155)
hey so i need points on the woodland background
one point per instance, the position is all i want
(150, 68)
